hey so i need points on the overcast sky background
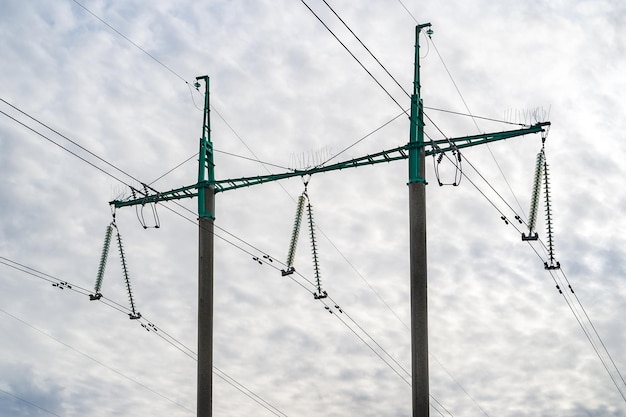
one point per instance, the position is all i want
(503, 341)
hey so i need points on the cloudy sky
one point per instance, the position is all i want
(99, 98)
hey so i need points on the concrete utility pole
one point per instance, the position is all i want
(206, 253)
(417, 247)
(206, 188)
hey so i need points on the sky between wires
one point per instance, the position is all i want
(282, 86)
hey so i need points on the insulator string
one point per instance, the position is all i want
(134, 314)
(534, 203)
(103, 261)
(316, 266)
(549, 227)
(291, 254)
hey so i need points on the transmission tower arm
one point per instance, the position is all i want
(395, 154)
(467, 141)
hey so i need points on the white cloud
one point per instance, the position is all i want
(282, 84)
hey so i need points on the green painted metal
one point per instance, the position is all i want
(416, 132)
(395, 154)
(206, 165)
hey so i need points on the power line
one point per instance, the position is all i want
(366, 48)
(131, 42)
(563, 292)
(352, 55)
(94, 359)
(151, 327)
(29, 403)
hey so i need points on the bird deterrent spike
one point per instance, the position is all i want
(103, 260)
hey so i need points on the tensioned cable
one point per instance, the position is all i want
(491, 119)
(352, 55)
(345, 47)
(477, 128)
(371, 54)
(362, 139)
(118, 179)
(73, 142)
(131, 42)
(166, 67)
(157, 330)
(342, 311)
(593, 326)
(62, 147)
(366, 48)
(238, 385)
(141, 50)
(124, 310)
(404, 112)
(371, 338)
(29, 403)
(195, 155)
(569, 303)
(111, 175)
(95, 360)
(569, 285)
(157, 59)
(101, 159)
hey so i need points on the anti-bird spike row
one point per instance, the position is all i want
(291, 254)
(134, 315)
(553, 264)
(103, 263)
(534, 202)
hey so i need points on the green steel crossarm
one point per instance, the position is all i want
(444, 145)
(383, 156)
(177, 194)
(395, 154)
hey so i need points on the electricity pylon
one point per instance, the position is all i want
(207, 187)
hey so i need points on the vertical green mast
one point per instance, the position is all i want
(417, 248)
(416, 139)
(206, 171)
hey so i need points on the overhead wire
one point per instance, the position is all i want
(68, 346)
(146, 51)
(377, 82)
(154, 58)
(117, 305)
(563, 292)
(476, 124)
(352, 55)
(367, 49)
(570, 305)
(150, 327)
(17, 397)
